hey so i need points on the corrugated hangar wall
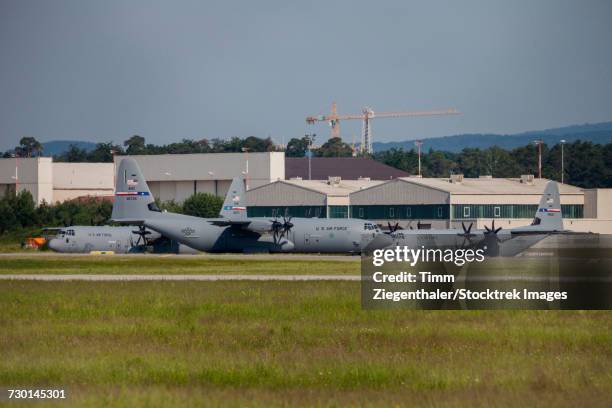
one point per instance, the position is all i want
(280, 198)
(281, 193)
(399, 191)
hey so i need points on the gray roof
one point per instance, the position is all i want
(491, 185)
(348, 168)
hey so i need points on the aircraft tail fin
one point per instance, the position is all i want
(133, 199)
(548, 215)
(234, 207)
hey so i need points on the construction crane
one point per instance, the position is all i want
(366, 115)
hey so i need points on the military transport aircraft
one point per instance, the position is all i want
(547, 220)
(120, 240)
(234, 231)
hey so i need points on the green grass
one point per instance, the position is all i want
(171, 265)
(10, 241)
(297, 343)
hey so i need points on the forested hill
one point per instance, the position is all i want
(599, 133)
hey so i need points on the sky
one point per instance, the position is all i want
(168, 70)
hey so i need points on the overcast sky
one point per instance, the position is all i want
(167, 70)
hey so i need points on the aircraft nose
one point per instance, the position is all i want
(54, 244)
(287, 246)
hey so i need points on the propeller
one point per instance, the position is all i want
(393, 228)
(142, 235)
(467, 235)
(492, 229)
(493, 245)
(280, 229)
(467, 231)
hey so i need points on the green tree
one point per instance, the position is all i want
(45, 215)
(25, 208)
(74, 154)
(135, 145)
(438, 164)
(170, 206)
(256, 144)
(297, 147)
(8, 220)
(103, 153)
(28, 147)
(334, 147)
(400, 159)
(203, 205)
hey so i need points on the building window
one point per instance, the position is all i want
(466, 212)
(338, 211)
(391, 212)
(360, 212)
(409, 212)
(274, 212)
(439, 212)
(497, 211)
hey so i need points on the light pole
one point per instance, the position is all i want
(418, 144)
(562, 164)
(311, 139)
(246, 172)
(539, 143)
(16, 176)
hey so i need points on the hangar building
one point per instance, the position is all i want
(305, 198)
(171, 177)
(432, 202)
(52, 182)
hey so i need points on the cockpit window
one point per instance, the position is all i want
(370, 227)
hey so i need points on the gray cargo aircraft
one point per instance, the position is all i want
(120, 240)
(547, 220)
(233, 231)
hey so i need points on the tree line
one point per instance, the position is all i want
(586, 164)
(19, 211)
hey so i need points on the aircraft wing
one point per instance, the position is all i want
(230, 223)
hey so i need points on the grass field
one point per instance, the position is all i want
(11, 241)
(137, 264)
(292, 344)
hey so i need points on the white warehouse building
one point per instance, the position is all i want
(170, 176)
(178, 176)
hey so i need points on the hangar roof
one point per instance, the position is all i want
(483, 185)
(307, 192)
(349, 168)
(341, 188)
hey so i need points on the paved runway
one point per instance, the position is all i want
(203, 256)
(208, 278)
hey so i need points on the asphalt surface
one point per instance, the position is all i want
(209, 278)
(283, 257)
